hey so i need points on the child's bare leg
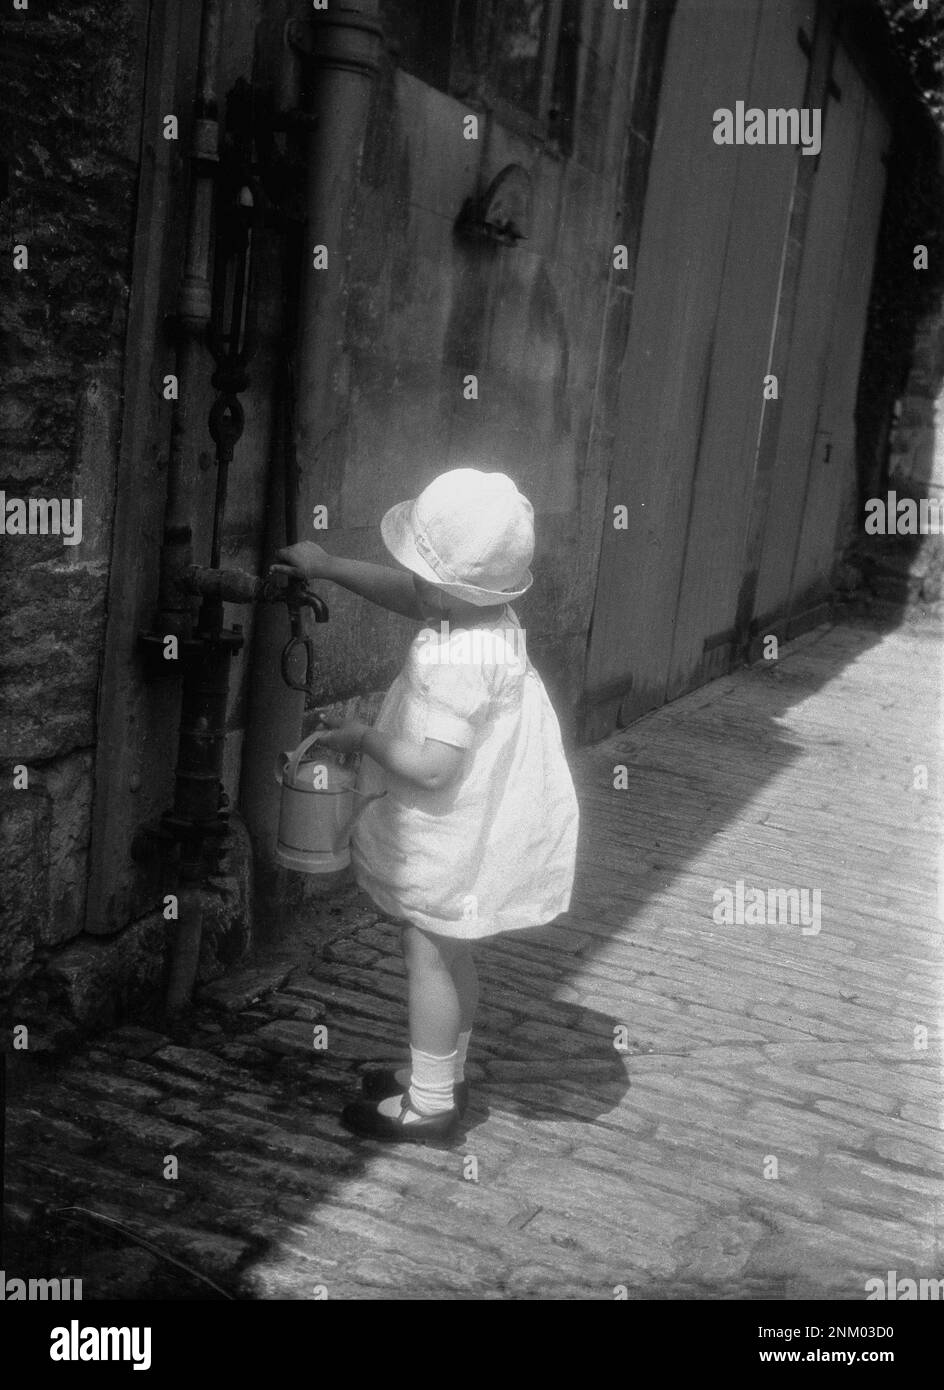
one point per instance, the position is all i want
(435, 1004)
(466, 980)
(442, 994)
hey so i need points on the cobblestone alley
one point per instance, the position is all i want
(660, 1101)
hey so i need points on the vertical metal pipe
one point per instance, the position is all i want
(346, 51)
(342, 48)
(210, 36)
(193, 315)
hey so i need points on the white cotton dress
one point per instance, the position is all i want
(495, 850)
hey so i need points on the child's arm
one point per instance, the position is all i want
(387, 587)
(431, 765)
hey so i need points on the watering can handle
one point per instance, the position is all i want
(295, 757)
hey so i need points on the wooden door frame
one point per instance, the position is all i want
(648, 71)
(800, 613)
(118, 890)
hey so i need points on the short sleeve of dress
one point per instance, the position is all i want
(457, 699)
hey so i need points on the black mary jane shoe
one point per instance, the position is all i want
(377, 1085)
(364, 1118)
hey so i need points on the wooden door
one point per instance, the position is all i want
(709, 264)
(815, 455)
(736, 269)
(738, 363)
(831, 492)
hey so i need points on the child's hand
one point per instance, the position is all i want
(304, 558)
(343, 737)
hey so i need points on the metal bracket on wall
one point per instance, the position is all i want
(502, 214)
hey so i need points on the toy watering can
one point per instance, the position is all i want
(319, 807)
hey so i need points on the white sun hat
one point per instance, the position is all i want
(469, 533)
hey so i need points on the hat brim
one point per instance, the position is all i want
(397, 528)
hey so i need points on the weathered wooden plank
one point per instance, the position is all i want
(663, 381)
(832, 484)
(739, 350)
(817, 300)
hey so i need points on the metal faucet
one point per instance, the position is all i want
(297, 597)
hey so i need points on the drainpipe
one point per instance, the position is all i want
(334, 54)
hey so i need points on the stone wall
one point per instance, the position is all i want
(75, 153)
(69, 100)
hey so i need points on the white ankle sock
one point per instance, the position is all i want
(431, 1082)
(404, 1074)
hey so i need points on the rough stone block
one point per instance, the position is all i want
(136, 1042)
(53, 622)
(69, 788)
(98, 980)
(23, 833)
(239, 990)
(287, 1036)
(202, 1065)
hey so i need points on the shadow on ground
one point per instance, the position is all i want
(220, 1150)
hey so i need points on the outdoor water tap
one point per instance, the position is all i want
(306, 599)
(297, 597)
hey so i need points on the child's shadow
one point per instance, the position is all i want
(571, 1064)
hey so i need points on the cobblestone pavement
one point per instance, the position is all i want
(660, 1101)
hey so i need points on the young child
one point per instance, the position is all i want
(477, 831)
